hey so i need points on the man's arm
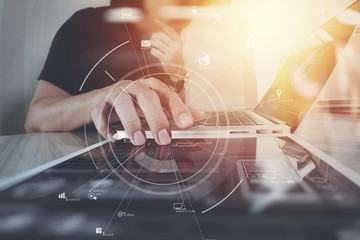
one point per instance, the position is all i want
(52, 109)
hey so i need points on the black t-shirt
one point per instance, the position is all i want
(85, 39)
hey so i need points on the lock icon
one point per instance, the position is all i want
(194, 10)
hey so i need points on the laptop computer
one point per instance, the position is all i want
(291, 95)
(260, 188)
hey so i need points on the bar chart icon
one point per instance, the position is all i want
(62, 196)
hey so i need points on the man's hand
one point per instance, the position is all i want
(149, 98)
(167, 47)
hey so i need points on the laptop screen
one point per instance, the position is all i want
(305, 72)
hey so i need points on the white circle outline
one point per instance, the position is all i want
(208, 174)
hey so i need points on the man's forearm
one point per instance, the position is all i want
(62, 113)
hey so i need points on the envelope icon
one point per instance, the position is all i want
(145, 43)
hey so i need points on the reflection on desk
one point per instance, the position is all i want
(20, 153)
(258, 188)
(335, 134)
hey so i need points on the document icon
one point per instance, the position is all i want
(145, 43)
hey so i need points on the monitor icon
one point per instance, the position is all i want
(179, 207)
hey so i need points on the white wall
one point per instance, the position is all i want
(1, 10)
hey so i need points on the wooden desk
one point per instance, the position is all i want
(23, 152)
(336, 135)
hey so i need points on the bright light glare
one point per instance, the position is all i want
(277, 26)
(349, 17)
(261, 33)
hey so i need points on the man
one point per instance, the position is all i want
(59, 105)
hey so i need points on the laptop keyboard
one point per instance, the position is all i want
(238, 118)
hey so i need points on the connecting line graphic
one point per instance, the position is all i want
(87, 76)
(147, 68)
(93, 178)
(142, 174)
(160, 166)
(223, 67)
(99, 174)
(182, 55)
(118, 207)
(177, 180)
(224, 197)
(198, 94)
(121, 164)
(230, 192)
(132, 44)
(197, 222)
(126, 92)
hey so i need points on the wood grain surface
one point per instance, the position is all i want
(23, 152)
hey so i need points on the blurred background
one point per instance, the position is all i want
(246, 44)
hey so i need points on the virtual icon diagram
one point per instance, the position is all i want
(145, 44)
(126, 12)
(204, 60)
(98, 230)
(251, 40)
(179, 207)
(218, 18)
(62, 196)
(120, 214)
(194, 10)
(92, 196)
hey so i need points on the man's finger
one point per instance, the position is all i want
(172, 102)
(198, 114)
(100, 116)
(129, 118)
(155, 117)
